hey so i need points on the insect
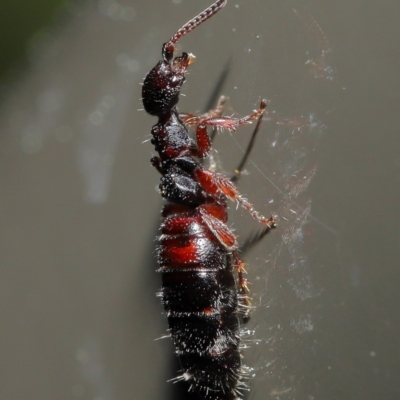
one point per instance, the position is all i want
(197, 252)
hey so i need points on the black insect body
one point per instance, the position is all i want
(197, 252)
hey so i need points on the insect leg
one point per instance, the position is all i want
(202, 137)
(231, 123)
(203, 142)
(251, 241)
(249, 148)
(214, 217)
(216, 183)
(254, 239)
(244, 299)
(193, 119)
(217, 226)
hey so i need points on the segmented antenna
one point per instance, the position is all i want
(196, 21)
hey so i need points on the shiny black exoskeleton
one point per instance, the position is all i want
(197, 252)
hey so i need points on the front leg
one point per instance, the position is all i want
(203, 143)
(231, 123)
(193, 119)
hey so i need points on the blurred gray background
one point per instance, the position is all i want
(80, 209)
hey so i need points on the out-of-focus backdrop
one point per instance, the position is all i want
(20, 21)
(79, 206)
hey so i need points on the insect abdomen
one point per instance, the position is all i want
(200, 299)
